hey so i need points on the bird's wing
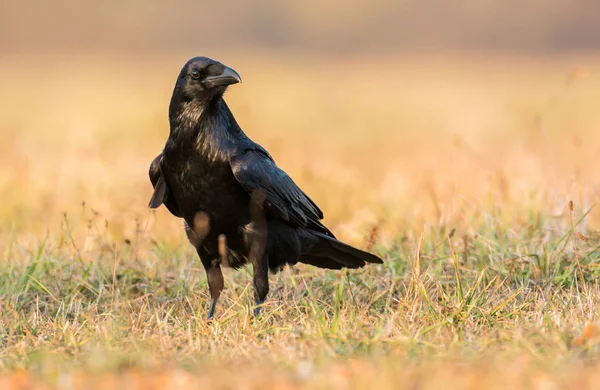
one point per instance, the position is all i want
(161, 194)
(158, 183)
(256, 171)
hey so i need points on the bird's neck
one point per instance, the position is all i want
(205, 126)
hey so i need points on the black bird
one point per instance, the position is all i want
(238, 206)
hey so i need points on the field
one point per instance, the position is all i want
(474, 177)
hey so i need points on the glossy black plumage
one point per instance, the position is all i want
(225, 185)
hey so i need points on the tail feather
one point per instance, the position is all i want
(333, 254)
(320, 261)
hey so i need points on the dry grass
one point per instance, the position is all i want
(458, 171)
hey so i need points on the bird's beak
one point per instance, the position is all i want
(228, 77)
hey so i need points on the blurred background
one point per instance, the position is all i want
(447, 136)
(359, 26)
(395, 114)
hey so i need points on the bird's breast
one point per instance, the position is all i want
(201, 184)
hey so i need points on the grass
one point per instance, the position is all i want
(475, 179)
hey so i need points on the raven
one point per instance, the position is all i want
(238, 206)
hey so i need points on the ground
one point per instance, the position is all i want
(474, 177)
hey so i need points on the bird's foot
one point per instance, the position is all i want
(257, 308)
(211, 311)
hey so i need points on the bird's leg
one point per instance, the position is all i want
(257, 254)
(260, 282)
(214, 275)
(215, 284)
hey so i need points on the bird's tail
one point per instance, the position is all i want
(327, 252)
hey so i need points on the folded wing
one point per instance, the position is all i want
(256, 171)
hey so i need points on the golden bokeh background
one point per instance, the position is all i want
(403, 120)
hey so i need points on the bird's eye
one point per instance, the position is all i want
(195, 74)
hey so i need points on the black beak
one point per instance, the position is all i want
(228, 77)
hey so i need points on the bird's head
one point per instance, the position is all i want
(202, 78)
